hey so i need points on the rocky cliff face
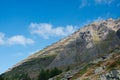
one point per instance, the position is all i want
(87, 44)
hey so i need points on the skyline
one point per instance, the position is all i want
(29, 26)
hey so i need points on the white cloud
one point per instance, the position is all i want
(47, 30)
(17, 39)
(104, 1)
(1, 38)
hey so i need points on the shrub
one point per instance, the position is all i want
(46, 74)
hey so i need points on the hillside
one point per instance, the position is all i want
(86, 52)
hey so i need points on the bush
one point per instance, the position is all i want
(55, 72)
(46, 74)
(1, 77)
(68, 68)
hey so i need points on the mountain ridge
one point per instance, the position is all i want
(93, 41)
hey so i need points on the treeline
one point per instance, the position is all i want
(43, 75)
(46, 74)
(17, 76)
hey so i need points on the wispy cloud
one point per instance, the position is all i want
(104, 1)
(95, 19)
(85, 3)
(47, 30)
(1, 38)
(17, 39)
(118, 5)
(98, 19)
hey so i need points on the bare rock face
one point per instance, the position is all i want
(118, 33)
(89, 43)
(83, 46)
(112, 75)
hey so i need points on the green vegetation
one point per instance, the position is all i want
(19, 73)
(96, 37)
(46, 74)
(82, 71)
(114, 64)
(1, 77)
(68, 68)
(16, 77)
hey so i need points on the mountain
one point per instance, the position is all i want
(91, 53)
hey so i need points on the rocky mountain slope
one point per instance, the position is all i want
(104, 68)
(86, 52)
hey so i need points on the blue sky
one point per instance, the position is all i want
(27, 26)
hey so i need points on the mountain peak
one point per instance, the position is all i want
(110, 19)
